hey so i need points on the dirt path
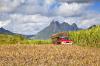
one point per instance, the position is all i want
(48, 55)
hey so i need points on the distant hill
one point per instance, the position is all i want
(55, 27)
(28, 36)
(4, 31)
(92, 26)
(11, 39)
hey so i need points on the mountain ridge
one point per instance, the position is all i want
(4, 31)
(55, 27)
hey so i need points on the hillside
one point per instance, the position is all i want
(89, 37)
(4, 31)
(55, 27)
(7, 32)
(52, 55)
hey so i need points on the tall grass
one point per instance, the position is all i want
(38, 42)
(90, 37)
(18, 39)
(11, 39)
(48, 55)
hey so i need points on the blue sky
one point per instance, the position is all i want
(96, 7)
(31, 16)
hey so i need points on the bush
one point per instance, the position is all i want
(11, 39)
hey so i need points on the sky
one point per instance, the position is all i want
(31, 16)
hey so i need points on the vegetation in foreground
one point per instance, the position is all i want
(89, 37)
(51, 55)
(18, 39)
(48, 55)
(11, 39)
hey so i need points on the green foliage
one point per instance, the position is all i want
(11, 39)
(39, 42)
(18, 39)
(90, 37)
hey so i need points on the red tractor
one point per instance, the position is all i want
(61, 38)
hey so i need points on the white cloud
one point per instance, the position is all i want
(79, 1)
(89, 20)
(44, 7)
(9, 5)
(4, 23)
(83, 21)
(31, 16)
(31, 24)
(49, 1)
(27, 24)
(72, 9)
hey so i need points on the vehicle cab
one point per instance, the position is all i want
(65, 40)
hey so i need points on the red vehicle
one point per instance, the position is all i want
(61, 38)
(65, 40)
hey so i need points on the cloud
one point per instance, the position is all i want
(27, 24)
(31, 16)
(31, 24)
(51, 8)
(79, 1)
(71, 9)
(89, 20)
(4, 23)
(36, 7)
(9, 5)
(44, 7)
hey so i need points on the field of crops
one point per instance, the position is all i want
(18, 39)
(48, 55)
(90, 37)
(20, 51)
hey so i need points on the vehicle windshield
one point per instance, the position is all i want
(66, 38)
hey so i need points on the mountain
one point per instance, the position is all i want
(4, 31)
(55, 27)
(92, 26)
(28, 36)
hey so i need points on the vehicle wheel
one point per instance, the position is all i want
(58, 42)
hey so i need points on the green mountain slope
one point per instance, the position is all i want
(55, 27)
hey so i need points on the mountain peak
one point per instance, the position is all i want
(92, 26)
(1, 28)
(4, 31)
(55, 27)
(54, 22)
(66, 24)
(74, 24)
(75, 27)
